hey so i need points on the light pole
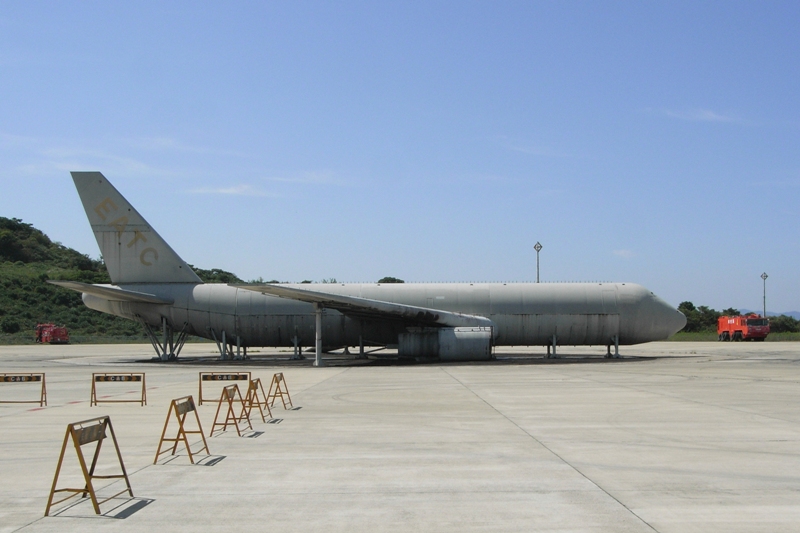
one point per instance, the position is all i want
(538, 248)
(764, 277)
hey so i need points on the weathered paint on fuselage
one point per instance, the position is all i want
(523, 313)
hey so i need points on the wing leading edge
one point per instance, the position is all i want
(373, 309)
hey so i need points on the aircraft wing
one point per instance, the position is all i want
(112, 293)
(373, 309)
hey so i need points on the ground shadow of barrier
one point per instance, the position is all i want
(126, 508)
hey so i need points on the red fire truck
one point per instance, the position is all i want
(51, 334)
(750, 327)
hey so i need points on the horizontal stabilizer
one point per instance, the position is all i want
(373, 309)
(111, 293)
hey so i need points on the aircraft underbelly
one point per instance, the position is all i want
(569, 329)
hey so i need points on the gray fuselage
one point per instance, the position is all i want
(522, 313)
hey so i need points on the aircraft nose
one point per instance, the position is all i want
(670, 319)
(677, 321)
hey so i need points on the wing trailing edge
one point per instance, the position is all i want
(373, 309)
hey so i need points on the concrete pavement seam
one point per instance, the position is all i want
(554, 453)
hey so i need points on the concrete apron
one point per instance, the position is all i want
(702, 437)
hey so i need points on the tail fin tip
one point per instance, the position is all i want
(133, 251)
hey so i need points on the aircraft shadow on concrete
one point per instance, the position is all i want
(336, 360)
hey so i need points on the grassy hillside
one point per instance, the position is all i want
(28, 258)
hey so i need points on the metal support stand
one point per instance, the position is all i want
(494, 346)
(616, 355)
(318, 344)
(225, 353)
(361, 354)
(555, 352)
(168, 348)
(298, 350)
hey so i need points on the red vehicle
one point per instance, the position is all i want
(51, 334)
(750, 327)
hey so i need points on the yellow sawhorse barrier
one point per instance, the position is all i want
(231, 394)
(181, 407)
(252, 398)
(82, 433)
(26, 378)
(278, 388)
(136, 377)
(218, 377)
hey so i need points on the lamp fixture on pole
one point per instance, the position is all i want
(538, 248)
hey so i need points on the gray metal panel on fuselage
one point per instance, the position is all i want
(523, 314)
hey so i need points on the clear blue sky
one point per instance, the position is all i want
(650, 142)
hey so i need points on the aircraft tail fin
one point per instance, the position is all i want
(132, 250)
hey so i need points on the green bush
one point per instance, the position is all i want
(9, 325)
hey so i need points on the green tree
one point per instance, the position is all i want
(21, 242)
(216, 275)
(783, 324)
(700, 318)
(390, 279)
(9, 325)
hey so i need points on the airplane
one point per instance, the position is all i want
(151, 284)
